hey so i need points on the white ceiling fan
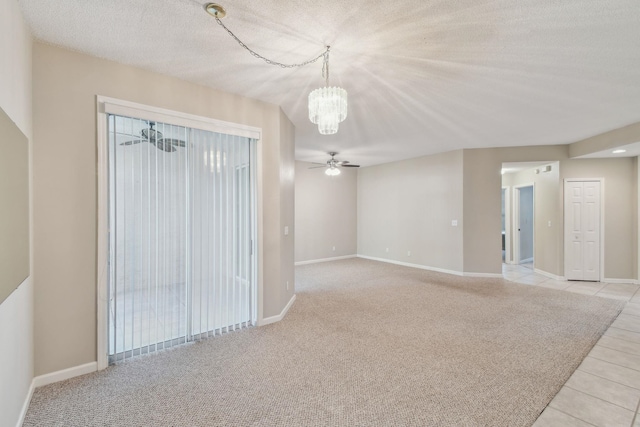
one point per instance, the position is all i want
(332, 165)
(155, 137)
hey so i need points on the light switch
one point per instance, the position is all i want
(454, 222)
(286, 230)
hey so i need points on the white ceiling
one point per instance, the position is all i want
(423, 76)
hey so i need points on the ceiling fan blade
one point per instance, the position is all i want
(342, 162)
(318, 167)
(161, 145)
(174, 142)
(316, 163)
(134, 141)
(350, 166)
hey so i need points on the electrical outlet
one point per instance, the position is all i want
(549, 224)
(408, 253)
(387, 250)
(454, 222)
(334, 248)
(287, 285)
(286, 230)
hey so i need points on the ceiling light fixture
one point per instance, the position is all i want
(327, 105)
(215, 10)
(619, 151)
(332, 171)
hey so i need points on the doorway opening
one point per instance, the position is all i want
(506, 225)
(523, 236)
(518, 215)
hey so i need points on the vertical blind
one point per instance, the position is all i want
(181, 217)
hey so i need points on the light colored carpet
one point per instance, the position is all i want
(365, 344)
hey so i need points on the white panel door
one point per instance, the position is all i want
(582, 230)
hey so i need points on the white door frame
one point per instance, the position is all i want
(508, 259)
(516, 221)
(131, 109)
(602, 203)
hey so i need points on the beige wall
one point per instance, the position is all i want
(409, 205)
(403, 205)
(547, 194)
(482, 201)
(482, 249)
(16, 312)
(620, 210)
(326, 213)
(65, 199)
(482, 180)
(14, 206)
(606, 141)
(15, 67)
(287, 208)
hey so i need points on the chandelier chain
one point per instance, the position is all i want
(324, 54)
(325, 67)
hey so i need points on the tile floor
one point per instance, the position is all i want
(605, 389)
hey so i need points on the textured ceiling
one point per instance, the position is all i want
(423, 76)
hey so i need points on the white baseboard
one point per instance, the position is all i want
(425, 267)
(279, 317)
(549, 275)
(632, 281)
(51, 378)
(522, 261)
(25, 405)
(406, 264)
(65, 374)
(313, 261)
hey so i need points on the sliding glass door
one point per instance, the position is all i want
(181, 221)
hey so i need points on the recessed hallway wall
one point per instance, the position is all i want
(326, 207)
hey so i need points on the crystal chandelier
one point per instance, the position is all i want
(327, 105)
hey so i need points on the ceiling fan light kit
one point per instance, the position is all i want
(327, 105)
(332, 171)
(332, 166)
